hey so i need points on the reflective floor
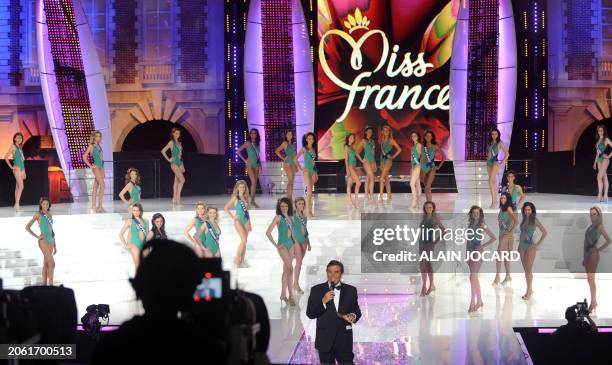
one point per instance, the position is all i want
(397, 327)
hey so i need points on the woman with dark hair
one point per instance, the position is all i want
(591, 252)
(18, 166)
(197, 222)
(515, 190)
(478, 228)
(97, 168)
(415, 172)
(387, 144)
(285, 245)
(132, 185)
(369, 162)
(309, 150)
(46, 238)
(602, 161)
(253, 163)
(493, 163)
(241, 218)
(158, 228)
(507, 221)
(428, 164)
(300, 230)
(433, 229)
(137, 228)
(175, 146)
(352, 173)
(289, 163)
(527, 248)
(210, 231)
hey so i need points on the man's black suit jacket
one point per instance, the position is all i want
(330, 327)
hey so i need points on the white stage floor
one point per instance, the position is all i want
(397, 323)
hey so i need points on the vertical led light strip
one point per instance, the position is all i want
(278, 81)
(70, 77)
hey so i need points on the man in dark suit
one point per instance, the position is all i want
(335, 306)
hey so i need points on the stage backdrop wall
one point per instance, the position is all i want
(383, 62)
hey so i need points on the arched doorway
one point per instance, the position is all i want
(154, 135)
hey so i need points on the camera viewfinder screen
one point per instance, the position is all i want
(209, 289)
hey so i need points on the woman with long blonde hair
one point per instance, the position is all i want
(387, 144)
(211, 231)
(97, 168)
(591, 251)
(132, 186)
(197, 222)
(242, 220)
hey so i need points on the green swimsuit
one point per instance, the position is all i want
(212, 238)
(526, 237)
(242, 211)
(428, 154)
(283, 232)
(370, 148)
(416, 159)
(427, 236)
(591, 237)
(494, 149)
(385, 149)
(198, 225)
(474, 243)
(309, 162)
(504, 223)
(134, 230)
(352, 159)
(290, 154)
(96, 152)
(298, 224)
(177, 154)
(601, 148)
(46, 227)
(253, 156)
(18, 158)
(135, 194)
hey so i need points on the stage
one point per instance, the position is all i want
(397, 325)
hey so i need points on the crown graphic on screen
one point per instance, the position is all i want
(356, 22)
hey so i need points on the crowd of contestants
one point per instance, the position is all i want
(291, 219)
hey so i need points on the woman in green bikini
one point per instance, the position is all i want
(253, 163)
(352, 173)
(309, 171)
(288, 158)
(137, 228)
(387, 144)
(369, 162)
(132, 186)
(300, 229)
(176, 163)
(97, 168)
(242, 221)
(428, 164)
(46, 238)
(210, 231)
(507, 221)
(493, 163)
(18, 166)
(527, 248)
(285, 246)
(601, 163)
(415, 172)
(197, 222)
(591, 251)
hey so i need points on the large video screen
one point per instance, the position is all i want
(383, 62)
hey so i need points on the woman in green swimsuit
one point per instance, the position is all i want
(176, 163)
(369, 162)
(253, 162)
(428, 164)
(200, 234)
(473, 248)
(288, 158)
(352, 173)
(415, 172)
(515, 191)
(97, 168)
(591, 252)
(18, 166)
(309, 171)
(433, 230)
(527, 248)
(387, 144)
(601, 163)
(132, 186)
(507, 221)
(210, 231)
(46, 238)
(137, 228)
(242, 221)
(285, 246)
(493, 163)
(300, 229)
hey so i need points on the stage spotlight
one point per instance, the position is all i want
(91, 320)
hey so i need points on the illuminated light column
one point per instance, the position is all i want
(73, 89)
